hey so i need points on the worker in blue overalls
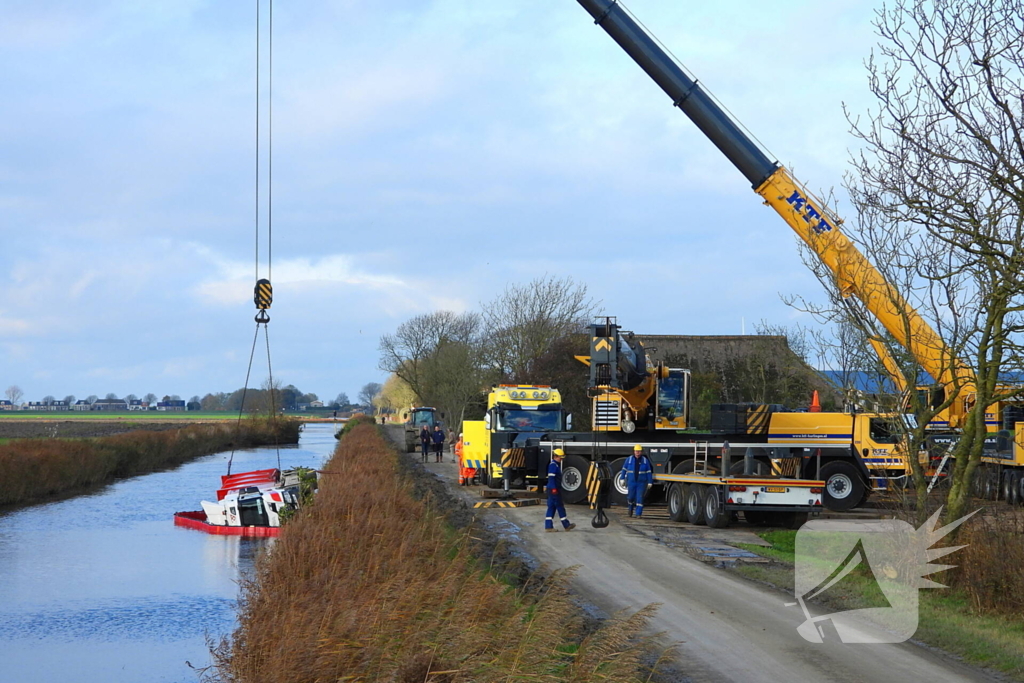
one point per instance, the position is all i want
(639, 475)
(555, 494)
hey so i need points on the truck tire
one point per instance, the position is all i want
(677, 502)
(715, 515)
(618, 495)
(1010, 487)
(787, 520)
(989, 486)
(1020, 488)
(686, 467)
(844, 489)
(759, 468)
(755, 517)
(574, 479)
(493, 482)
(695, 504)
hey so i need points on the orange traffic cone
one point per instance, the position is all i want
(815, 404)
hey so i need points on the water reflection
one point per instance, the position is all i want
(105, 588)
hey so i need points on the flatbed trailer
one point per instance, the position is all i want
(688, 477)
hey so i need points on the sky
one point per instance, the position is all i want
(426, 154)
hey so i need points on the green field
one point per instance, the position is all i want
(138, 416)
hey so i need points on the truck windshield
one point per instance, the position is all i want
(423, 417)
(529, 420)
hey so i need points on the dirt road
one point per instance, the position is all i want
(727, 628)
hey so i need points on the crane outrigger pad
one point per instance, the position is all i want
(506, 503)
(512, 494)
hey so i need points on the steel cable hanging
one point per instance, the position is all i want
(263, 292)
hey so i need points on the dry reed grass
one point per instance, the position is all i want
(370, 584)
(32, 469)
(989, 569)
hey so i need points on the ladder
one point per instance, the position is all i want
(700, 457)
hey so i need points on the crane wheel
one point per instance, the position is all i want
(618, 494)
(844, 488)
(574, 479)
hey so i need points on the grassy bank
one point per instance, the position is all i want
(978, 618)
(34, 469)
(372, 584)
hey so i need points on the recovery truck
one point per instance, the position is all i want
(855, 276)
(500, 444)
(523, 423)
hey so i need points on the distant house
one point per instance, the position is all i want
(171, 406)
(6, 405)
(110, 404)
(35, 406)
(316, 404)
(82, 405)
(136, 404)
(59, 407)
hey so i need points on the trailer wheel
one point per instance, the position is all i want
(715, 515)
(677, 502)
(1010, 488)
(574, 479)
(844, 488)
(1020, 488)
(619, 494)
(695, 504)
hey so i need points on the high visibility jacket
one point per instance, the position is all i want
(554, 476)
(458, 451)
(638, 470)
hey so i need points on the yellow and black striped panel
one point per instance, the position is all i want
(513, 458)
(264, 295)
(476, 464)
(506, 503)
(593, 484)
(786, 467)
(757, 420)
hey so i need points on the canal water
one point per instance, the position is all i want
(103, 588)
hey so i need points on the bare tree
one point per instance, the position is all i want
(14, 394)
(149, 398)
(942, 163)
(407, 353)
(92, 398)
(368, 392)
(524, 321)
(69, 400)
(48, 400)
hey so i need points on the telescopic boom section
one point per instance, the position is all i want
(814, 223)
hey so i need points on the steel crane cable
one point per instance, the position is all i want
(263, 292)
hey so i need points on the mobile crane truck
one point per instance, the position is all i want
(512, 445)
(818, 227)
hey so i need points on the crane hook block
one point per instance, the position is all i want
(264, 294)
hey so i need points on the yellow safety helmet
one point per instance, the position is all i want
(558, 453)
(637, 447)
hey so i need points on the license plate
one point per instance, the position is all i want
(774, 489)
